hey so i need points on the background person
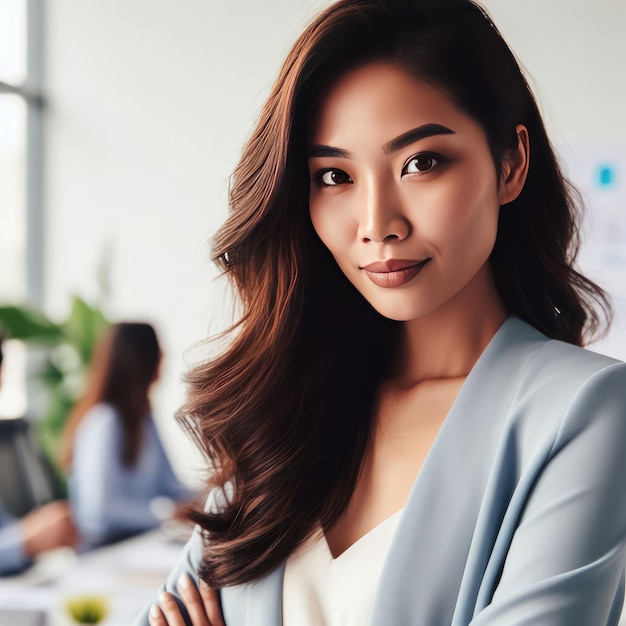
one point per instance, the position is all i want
(116, 461)
(22, 539)
(45, 528)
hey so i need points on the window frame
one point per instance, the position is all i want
(31, 91)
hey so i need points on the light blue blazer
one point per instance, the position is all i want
(518, 515)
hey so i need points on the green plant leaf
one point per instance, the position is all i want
(26, 324)
(83, 327)
(68, 348)
(59, 406)
(51, 375)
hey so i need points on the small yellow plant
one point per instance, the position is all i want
(87, 609)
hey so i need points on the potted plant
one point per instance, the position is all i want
(87, 609)
(66, 349)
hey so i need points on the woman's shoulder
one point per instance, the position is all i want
(568, 368)
(101, 411)
(560, 363)
(99, 417)
(565, 390)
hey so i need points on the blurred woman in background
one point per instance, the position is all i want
(112, 452)
(44, 528)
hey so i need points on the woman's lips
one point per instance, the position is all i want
(393, 273)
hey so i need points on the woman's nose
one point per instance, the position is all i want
(381, 218)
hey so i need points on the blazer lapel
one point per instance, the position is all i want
(424, 577)
(422, 581)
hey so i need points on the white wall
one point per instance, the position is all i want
(150, 101)
(149, 104)
(574, 51)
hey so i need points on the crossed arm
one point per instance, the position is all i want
(201, 602)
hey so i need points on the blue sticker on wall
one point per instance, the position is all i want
(606, 175)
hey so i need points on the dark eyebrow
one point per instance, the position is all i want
(411, 136)
(327, 151)
(405, 139)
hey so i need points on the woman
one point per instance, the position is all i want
(404, 428)
(115, 458)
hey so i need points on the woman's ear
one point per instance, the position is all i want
(515, 168)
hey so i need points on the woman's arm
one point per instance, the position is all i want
(187, 565)
(12, 554)
(565, 564)
(179, 600)
(45, 528)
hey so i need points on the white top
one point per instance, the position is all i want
(319, 590)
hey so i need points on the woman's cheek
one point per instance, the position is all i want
(331, 227)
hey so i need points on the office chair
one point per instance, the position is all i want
(26, 478)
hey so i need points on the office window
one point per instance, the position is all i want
(12, 150)
(12, 198)
(21, 212)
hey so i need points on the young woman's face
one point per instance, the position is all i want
(404, 192)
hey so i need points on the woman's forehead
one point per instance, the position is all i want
(377, 103)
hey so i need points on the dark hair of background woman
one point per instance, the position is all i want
(286, 411)
(124, 365)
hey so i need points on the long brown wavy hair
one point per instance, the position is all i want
(124, 365)
(285, 412)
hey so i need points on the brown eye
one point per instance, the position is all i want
(331, 178)
(420, 164)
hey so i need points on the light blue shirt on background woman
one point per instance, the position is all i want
(111, 500)
(12, 555)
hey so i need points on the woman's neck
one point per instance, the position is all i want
(447, 342)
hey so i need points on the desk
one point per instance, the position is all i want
(127, 573)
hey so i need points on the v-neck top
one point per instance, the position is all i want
(320, 590)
